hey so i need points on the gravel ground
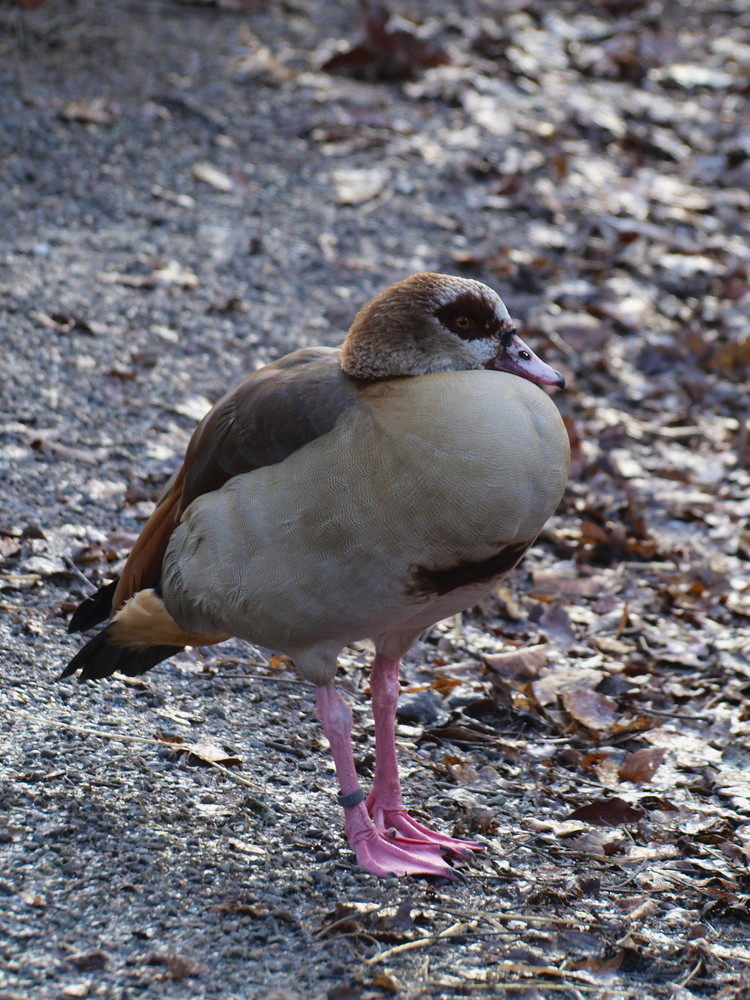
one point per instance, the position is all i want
(185, 195)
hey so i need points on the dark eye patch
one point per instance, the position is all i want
(506, 338)
(482, 323)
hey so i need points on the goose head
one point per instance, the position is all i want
(438, 323)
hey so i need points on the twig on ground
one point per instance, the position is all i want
(187, 747)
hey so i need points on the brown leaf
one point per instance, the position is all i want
(463, 773)
(732, 355)
(89, 555)
(391, 48)
(209, 753)
(445, 685)
(641, 765)
(556, 625)
(386, 982)
(593, 533)
(608, 812)
(346, 918)
(607, 772)
(559, 677)
(279, 662)
(593, 710)
(520, 665)
(86, 961)
(232, 304)
(602, 965)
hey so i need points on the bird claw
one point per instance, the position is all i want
(388, 852)
(396, 824)
(380, 854)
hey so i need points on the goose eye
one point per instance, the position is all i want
(463, 322)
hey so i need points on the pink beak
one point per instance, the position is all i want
(517, 358)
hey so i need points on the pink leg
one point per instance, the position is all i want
(384, 802)
(375, 851)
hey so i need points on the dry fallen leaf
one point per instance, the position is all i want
(385, 981)
(392, 48)
(608, 812)
(521, 665)
(593, 710)
(209, 753)
(556, 625)
(641, 765)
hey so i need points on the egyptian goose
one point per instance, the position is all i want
(338, 494)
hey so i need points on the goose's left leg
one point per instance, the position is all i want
(384, 803)
(376, 851)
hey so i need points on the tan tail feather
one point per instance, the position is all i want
(144, 622)
(143, 566)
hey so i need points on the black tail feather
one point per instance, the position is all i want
(99, 658)
(94, 609)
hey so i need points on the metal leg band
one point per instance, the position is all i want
(351, 798)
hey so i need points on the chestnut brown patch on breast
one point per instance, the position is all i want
(436, 582)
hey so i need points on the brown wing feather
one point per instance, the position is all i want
(266, 418)
(262, 421)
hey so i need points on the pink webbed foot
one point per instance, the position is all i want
(382, 854)
(390, 843)
(395, 823)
